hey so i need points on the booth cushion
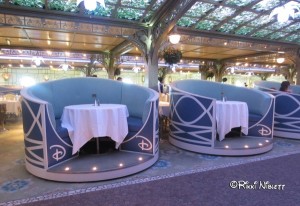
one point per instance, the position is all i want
(135, 98)
(62, 132)
(134, 124)
(254, 117)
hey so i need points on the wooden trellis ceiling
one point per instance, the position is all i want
(211, 29)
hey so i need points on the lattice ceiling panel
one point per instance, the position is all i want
(248, 18)
(206, 23)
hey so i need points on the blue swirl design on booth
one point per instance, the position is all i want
(287, 117)
(147, 139)
(263, 128)
(33, 133)
(36, 143)
(195, 127)
(287, 110)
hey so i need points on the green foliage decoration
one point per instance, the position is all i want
(171, 55)
(29, 3)
(100, 11)
(62, 5)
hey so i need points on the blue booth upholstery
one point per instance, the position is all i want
(287, 108)
(43, 104)
(191, 99)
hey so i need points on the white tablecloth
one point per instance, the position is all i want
(164, 109)
(12, 106)
(231, 114)
(87, 121)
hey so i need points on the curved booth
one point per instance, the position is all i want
(193, 118)
(48, 147)
(287, 108)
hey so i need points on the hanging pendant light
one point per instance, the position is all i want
(136, 68)
(280, 60)
(65, 66)
(38, 60)
(286, 11)
(91, 5)
(174, 37)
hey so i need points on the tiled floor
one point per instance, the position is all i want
(17, 185)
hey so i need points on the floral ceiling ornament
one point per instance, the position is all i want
(65, 66)
(38, 60)
(280, 60)
(136, 68)
(91, 5)
(286, 11)
(174, 67)
(6, 76)
(171, 55)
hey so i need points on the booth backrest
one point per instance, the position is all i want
(64, 92)
(295, 89)
(268, 84)
(258, 102)
(137, 100)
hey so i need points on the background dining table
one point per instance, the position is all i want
(164, 108)
(12, 106)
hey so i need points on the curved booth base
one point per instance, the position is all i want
(286, 118)
(234, 146)
(52, 151)
(88, 168)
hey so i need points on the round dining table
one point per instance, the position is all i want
(86, 121)
(231, 114)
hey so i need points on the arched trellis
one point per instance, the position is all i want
(90, 69)
(264, 76)
(209, 69)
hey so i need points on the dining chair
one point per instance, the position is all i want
(10, 96)
(2, 117)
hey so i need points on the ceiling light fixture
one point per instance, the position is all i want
(174, 37)
(65, 66)
(91, 5)
(136, 68)
(286, 11)
(8, 42)
(38, 60)
(174, 67)
(280, 60)
(6, 76)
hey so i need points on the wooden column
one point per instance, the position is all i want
(297, 67)
(151, 72)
